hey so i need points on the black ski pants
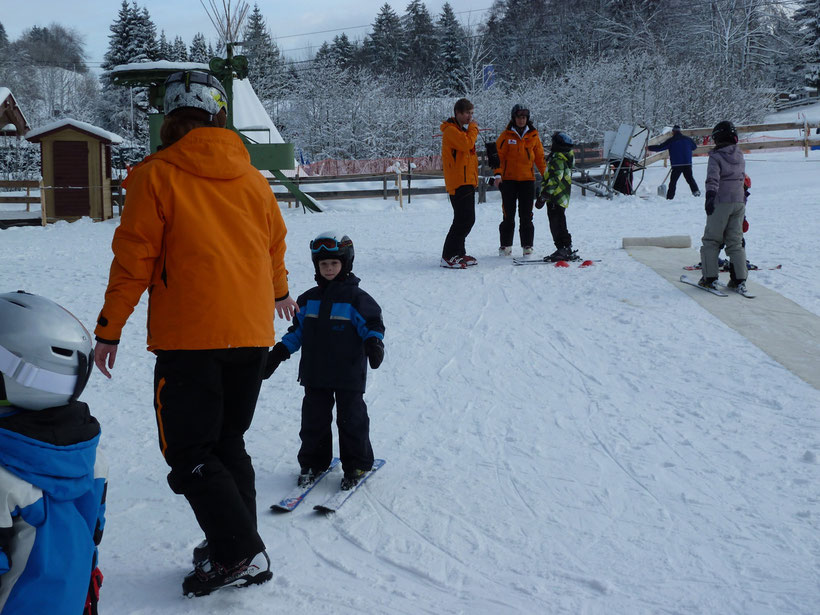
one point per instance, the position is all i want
(521, 194)
(463, 202)
(204, 402)
(316, 433)
(558, 226)
(686, 170)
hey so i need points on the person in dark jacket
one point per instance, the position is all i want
(725, 209)
(52, 477)
(339, 329)
(680, 156)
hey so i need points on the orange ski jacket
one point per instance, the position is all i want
(518, 154)
(203, 233)
(458, 155)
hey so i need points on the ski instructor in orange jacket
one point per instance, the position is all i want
(203, 233)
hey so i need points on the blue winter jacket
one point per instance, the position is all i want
(333, 321)
(680, 148)
(52, 513)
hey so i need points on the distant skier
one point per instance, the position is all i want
(680, 157)
(52, 478)
(460, 162)
(519, 148)
(556, 189)
(339, 329)
(725, 209)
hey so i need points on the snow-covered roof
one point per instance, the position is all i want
(250, 117)
(4, 93)
(159, 65)
(81, 126)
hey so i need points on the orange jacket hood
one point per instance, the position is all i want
(203, 233)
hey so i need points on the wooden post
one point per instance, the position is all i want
(28, 195)
(384, 181)
(398, 184)
(806, 135)
(42, 203)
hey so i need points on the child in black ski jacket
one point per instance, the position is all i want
(339, 329)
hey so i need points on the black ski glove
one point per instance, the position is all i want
(710, 202)
(277, 354)
(374, 349)
(540, 201)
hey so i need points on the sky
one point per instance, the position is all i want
(299, 28)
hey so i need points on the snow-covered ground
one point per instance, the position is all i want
(558, 440)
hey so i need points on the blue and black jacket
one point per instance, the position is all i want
(680, 149)
(52, 508)
(333, 321)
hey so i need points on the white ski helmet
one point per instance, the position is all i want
(195, 89)
(45, 352)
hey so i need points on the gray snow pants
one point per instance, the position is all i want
(724, 227)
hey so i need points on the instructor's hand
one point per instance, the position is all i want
(104, 357)
(286, 308)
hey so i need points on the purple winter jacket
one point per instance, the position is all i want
(724, 174)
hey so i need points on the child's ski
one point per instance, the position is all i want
(334, 502)
(744, 292)
(542, 261)
(750, 267)
(295, 497)
(691, 282)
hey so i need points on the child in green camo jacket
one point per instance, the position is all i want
(555, 193)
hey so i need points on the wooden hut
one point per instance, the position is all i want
(76, 167)
(12, 121)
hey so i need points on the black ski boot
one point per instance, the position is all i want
(211, 576)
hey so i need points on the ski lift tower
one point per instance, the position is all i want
(623, 151)
(272, 157)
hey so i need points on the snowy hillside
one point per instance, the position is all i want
(558, 440)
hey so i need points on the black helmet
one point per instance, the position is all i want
(332, 245)
(561, 142)
(519, 108)
(724, 133)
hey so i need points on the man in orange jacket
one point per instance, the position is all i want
(519, 148)
(458, 156)
(203, 233)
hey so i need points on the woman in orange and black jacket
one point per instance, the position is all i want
(519, 148)
(203, 233)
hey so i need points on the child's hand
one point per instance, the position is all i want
(277, 354)
(540, 201)
(374, 349)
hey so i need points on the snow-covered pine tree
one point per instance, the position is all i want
(384, 47)
(165, 52)
(180, 51)
(265, 65)
(4, 39)
(419, 39)
(199, 51)
(807, 17)
(343, 51)
(449, 63)
(146, 36)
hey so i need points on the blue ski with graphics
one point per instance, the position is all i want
(334, 502)
(295, 497)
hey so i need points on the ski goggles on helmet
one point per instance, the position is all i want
(328, 243)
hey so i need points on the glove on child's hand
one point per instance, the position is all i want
(540, 201)
(277, 354)
(710, 202)
(374, 349)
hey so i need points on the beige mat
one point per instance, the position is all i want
(778, 326)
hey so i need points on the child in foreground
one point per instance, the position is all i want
(339, 329)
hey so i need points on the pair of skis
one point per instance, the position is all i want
(331, 504)
(716, 291)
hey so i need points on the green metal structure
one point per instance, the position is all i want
(272, 157)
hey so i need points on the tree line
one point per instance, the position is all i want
(583, 67)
